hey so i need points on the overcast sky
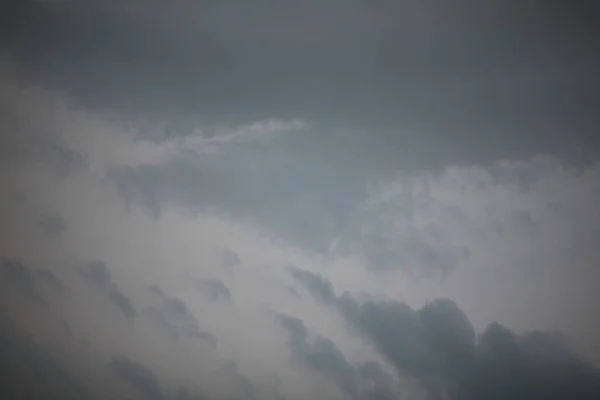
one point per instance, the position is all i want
(341, 199)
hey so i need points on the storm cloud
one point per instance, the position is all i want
(342, 199)
(438, 346)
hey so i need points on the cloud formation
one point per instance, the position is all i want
(29, 369)
(33, 284)
(319, 288)
(186, 201)
(216, 290)
(97, 273)
(322, 355)
(142, 379)
(437, 345)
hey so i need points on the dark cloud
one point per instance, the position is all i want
(163, 323)
(122, 303)
(320, 288)
(53, 226)
(528, 366)
(140, 378)
(243, 385)
(184, 394)
(98, 273)
(437, 345)
(292, 290)
(65, 326)
(25, 139)
(426, 80)
(377, 382)
(19, 276)
(216, 290)
(28, 370)
(328, 359)
(64, 160)
(321, 354)
(383, 87)
(30, 282)
(171, 304)
(298, 332)
(206, 337)
(49, 278)
(176, 306)
(419, 86)
(175, 319)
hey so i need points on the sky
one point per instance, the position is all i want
(358, 199)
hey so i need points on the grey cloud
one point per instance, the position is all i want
(49, 278)
(206, 337)
(258, 183)
(15, 273)
(174, 318)
(321, 354)
(230, 258)
(528, 366)
(30, 281)
(437, 345)
(448, 332)
(377, 381)
(53, 226)
(64, 160)
(292, 290)
(395, 330)
(313, 205)
(65, 326)
(184, 394)
(320, 288)
(216, 290)
(171, 304)
(419, 77)
(328, 359)
(411, 253)
(140, 378)
(391, 239)
(298, 332)
(28, 369)
(98, 274)
(430, 96)
(243, 385)
(122, 302)
(25, 139)
(163, 323)
(382, 90)
(177, 306)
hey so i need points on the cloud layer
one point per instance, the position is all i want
(295, 230)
